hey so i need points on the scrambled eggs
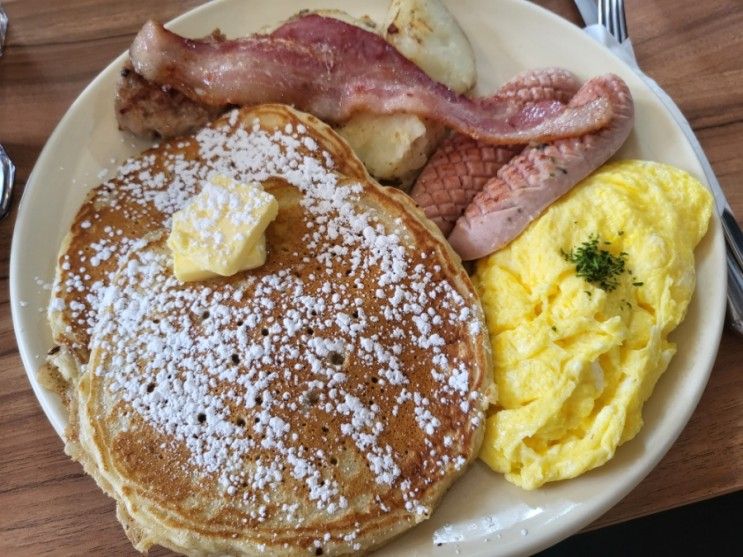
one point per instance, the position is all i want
(574, 363)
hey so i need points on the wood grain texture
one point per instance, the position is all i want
(49, 507)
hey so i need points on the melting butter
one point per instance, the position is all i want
(221, 231)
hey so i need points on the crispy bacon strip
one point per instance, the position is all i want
(332, 69)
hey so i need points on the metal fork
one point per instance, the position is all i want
(611, 15)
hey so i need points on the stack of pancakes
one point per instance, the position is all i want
(320, 404)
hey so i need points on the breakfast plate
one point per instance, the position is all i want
(482, 514)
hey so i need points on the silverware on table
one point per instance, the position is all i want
(610, 14)
(7, 169)
(735, 291)
(7, 177)
(3, 28)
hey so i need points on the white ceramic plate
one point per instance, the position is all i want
(482, 514)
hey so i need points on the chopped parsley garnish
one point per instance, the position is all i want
(596, 265)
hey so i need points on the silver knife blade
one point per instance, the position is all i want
(735, 292)
(733, 235)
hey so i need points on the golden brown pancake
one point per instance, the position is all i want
(320, 404)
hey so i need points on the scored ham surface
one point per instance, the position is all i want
(461, 166)
(533, 180)
(332, 69)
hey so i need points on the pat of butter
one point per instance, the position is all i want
(188, 270)
(220, 231)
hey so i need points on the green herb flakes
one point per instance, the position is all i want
(596, 265)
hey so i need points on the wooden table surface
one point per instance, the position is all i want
(49, 506)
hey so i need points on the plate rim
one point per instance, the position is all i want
(569, 523)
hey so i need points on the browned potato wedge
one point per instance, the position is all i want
(392, 146)
(427, 33)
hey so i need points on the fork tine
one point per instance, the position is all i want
(602, 13)
(611, 16)
(605, 16)
(615, 15)
(622, 19)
